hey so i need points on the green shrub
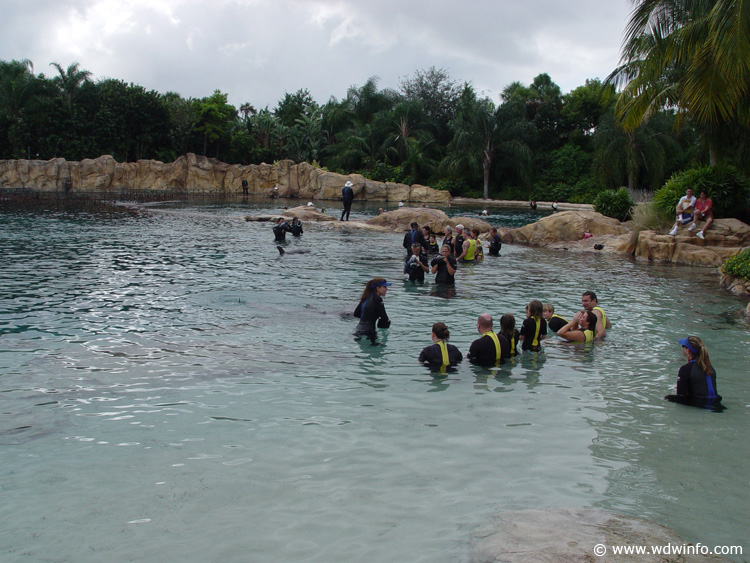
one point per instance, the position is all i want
(617, 204)
(727, 187)
(456, 187)
(586, 190)
(738, 265)
(646, 217)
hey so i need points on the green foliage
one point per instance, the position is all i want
(727, 187)
(738, 265)
(382, 172)
(646, 217)
(456, 187)
(617, 204)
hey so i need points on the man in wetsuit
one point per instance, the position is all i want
(281, 229)
(496, 243)
(414, 236)
(416, 265)
(491, 349)
(590, 303)
(296, 227)
(347, 196)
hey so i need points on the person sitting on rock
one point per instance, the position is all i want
(684, 210)
(704, 210)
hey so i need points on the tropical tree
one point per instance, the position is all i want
(214, 117)
(69, 82)
(692, 55)
(484, 134)
(21, 94)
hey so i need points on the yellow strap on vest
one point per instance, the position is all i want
(444, 351)
(493, 336)
(604, 315)
(535, 341)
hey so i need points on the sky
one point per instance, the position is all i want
(257, 50)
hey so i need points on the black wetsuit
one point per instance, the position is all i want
(413, 236)
(280, 231)
(433, 248)
(528, 329)
(370, 312)
(296, 229)
(416, 274)
(484, 353)
(694, 384)
(513, 342)
(556, 322)
(434, 356)
(458, 245)
(449, 242)
(443, 276)
(496, 243)
(347, 196)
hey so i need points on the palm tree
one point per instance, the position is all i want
(69, 82)
(693, 55)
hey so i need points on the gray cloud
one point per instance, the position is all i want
(256, 50)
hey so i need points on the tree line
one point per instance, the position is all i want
(663, 110)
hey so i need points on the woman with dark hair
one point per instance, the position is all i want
(581, 329)
(508, 330)
(534, 327)
(440, 354)
(371, 310)
(696, 380)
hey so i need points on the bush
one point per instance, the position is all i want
(726, 186)
(617, 204)
(456, 187)
(646, 217)
(738, 265)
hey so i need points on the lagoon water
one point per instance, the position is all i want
(172, 390)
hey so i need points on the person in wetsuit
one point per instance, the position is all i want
(281, 229)
(296, 227)
(448, 237)
(496, 243)
(534, 327)
(371, 311)
(491, 349)
(414, 236)
(696, 380)
(554, 322)
(508, 330)
(347, 196)
(416, 264)
(581, 329)
(591, 303)
(440, 354)
(444, 266)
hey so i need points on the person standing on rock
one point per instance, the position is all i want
(347, 196)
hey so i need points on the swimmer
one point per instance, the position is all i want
(508, 330)
(440, 354)
(490, 349)
(591, 303)
(534, 327)
(444, 266)
(696, 380)
(581, 329)
(554, 322)
(281, 229)
(371, 310)
(496, 242)
(296, 227)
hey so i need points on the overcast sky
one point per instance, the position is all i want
(257, 50)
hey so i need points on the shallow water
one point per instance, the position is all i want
(171, 389)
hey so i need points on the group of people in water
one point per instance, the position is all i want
(696, 380)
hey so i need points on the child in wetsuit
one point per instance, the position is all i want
(534, 327)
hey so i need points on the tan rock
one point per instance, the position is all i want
(200, 175)
(738, 286)
(564, 226)
(400, 220)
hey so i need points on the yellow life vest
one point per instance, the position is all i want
(535, 341)
(471, 250)
(444, 351)
(494, 338)
(604, 315)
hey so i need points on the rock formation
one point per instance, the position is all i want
(577, 535)
(198, 175)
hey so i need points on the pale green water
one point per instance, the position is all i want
(171, 390)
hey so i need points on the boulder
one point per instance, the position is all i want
(574, 535)
(738, 286)
(564, 226)
(399, 220)
(725, 238)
